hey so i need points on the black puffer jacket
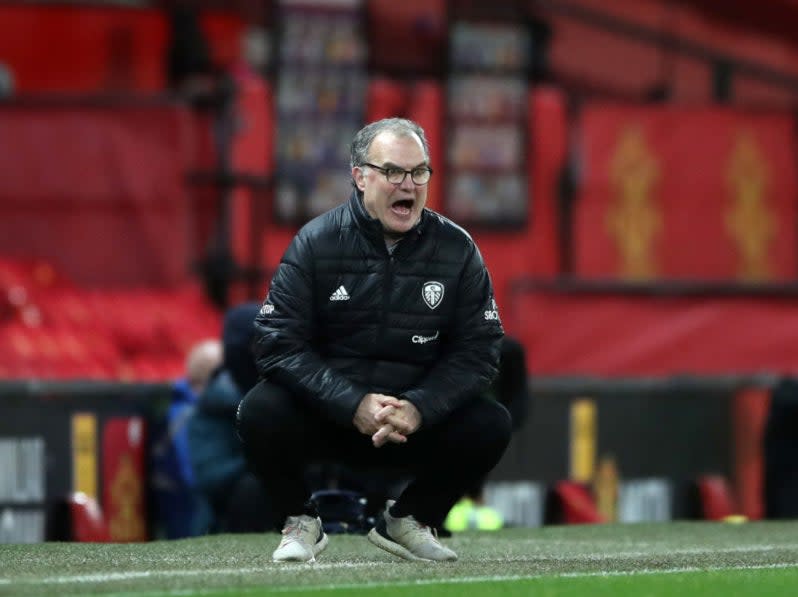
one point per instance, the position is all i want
(344, 318)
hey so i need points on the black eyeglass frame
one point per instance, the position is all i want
(404, 175)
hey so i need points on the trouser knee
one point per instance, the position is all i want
(480, 432)
(268, 417)
(494, 428)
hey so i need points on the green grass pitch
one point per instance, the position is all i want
(651, 560)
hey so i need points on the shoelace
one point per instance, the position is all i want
(293, 531)
(418, 527)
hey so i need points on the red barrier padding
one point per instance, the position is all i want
(750, 412)
(717, 500)
(576, 503)
(615, 335)
(124, 479)
(87, 522)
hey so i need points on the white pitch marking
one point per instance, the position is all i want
(118, 576)
(483, 579)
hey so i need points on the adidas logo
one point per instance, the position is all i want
(340, 294)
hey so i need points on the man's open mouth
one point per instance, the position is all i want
(403, 206)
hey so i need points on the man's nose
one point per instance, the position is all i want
(407, 183)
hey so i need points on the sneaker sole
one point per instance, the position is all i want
(393, 547)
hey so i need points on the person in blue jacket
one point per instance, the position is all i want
(180, 510)
(236, 496)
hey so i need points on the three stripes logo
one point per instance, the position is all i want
(340, 294)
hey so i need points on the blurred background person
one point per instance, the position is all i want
(181, 511)
(203, 359)
(238, 502)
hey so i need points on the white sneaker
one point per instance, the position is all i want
(303, 539)
(409, 539)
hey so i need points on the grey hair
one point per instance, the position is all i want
(401, 127)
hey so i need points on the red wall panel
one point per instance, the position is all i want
(702, 193)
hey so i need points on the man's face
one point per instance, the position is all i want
(397, 206)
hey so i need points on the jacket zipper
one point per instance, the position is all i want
(386, 297)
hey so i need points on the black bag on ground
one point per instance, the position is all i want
(342, 511)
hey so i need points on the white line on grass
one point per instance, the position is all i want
(142, 574)
(441, 581)
(687, 551)
(484, 579)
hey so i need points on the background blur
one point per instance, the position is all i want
(627, 168)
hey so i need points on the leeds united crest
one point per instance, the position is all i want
(432, 292)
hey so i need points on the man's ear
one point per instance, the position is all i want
(359, 178)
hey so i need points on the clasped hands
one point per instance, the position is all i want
(386, 419)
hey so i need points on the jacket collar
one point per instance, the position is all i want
(372, 228)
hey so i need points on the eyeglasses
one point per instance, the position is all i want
(419, 176)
